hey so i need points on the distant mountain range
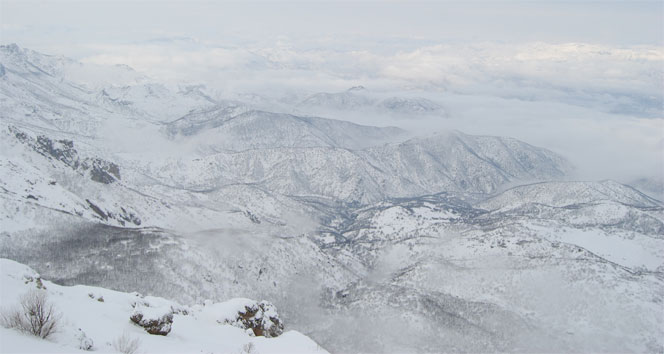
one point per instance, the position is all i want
(359, 99)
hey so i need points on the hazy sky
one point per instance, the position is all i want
(585, 79)
(62, 24)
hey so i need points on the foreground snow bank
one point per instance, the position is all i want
(101, 317)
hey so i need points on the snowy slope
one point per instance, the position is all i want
(39, 172)
(569, 193)
(478, 280)
(56, 93)
(446, 162)
(233, 126)
(103, 316)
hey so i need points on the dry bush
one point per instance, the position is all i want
(249, 348)
(126, 344)
(35, 315)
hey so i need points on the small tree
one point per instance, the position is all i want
(36, 315)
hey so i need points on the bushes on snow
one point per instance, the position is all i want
(84, 342)
(125, 344)
(34, 315)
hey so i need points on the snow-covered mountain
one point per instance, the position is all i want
(653, 186)
(367, 239)
(57, 93)
(530, 276)
(236, 127)
(359, 99)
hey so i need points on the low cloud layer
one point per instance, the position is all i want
(577, 73)
(584, 80)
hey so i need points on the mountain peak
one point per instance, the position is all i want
(12, 48)
(356, 88)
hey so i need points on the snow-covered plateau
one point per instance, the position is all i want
(366, 239)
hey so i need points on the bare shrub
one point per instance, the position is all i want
(249, 348)
(126, 344)
(36, 315)
(84, 342)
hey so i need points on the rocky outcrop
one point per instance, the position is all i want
(261, 318)
(63, 150)
(154, 320)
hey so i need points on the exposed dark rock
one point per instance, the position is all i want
(154, 322)
(101, 171)
(252, 217)
(97, 210)
(261, 318)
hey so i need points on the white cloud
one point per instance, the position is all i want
(608, 78)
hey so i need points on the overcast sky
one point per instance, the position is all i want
(63, 24)
(582, 78)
